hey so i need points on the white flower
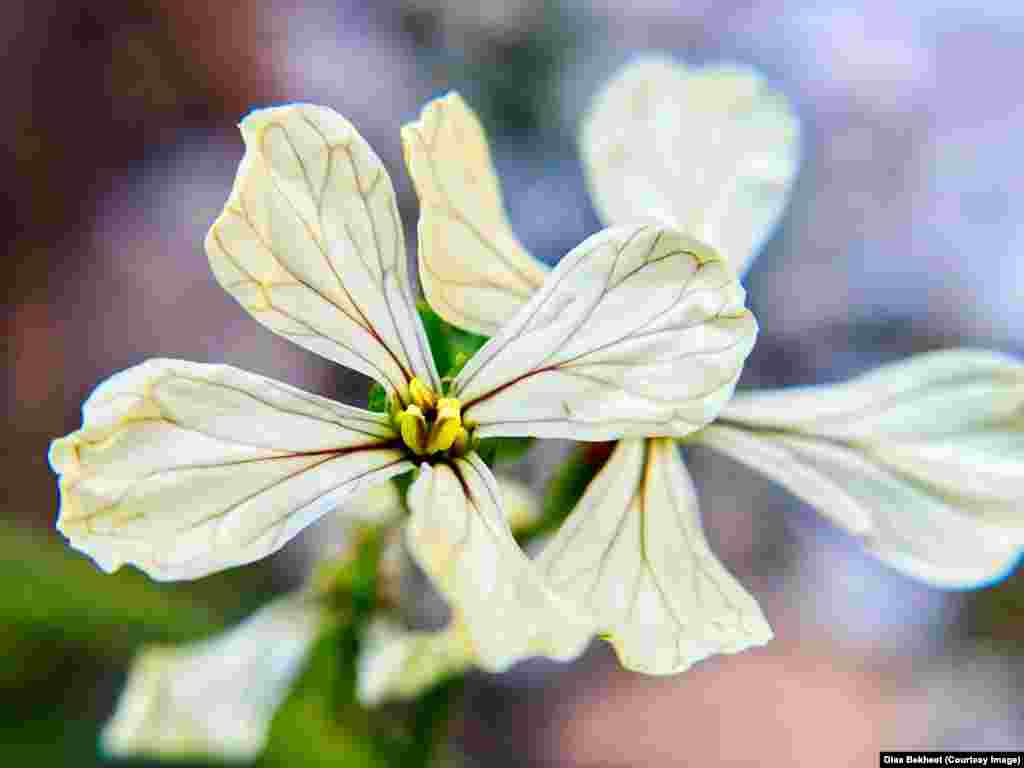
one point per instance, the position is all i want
(925, 460)
(183, 469)
(216, 697)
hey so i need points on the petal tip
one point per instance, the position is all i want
(63, 456)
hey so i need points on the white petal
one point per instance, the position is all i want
(712, 150)
(377, 504)
(634, 553)
(397, 663)
(952, 421)
(458, 534)
(638, 331)
(214, 698)
(310, 243)
(905, 525)
(182, 469)
(474, 272)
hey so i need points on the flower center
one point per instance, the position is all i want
(432, 424)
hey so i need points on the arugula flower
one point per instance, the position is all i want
(183, 469)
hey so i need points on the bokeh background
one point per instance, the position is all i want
(905, 234)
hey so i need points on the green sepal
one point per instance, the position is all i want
(402, 483)
(378, 399)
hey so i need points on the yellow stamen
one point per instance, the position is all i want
(446, 426)
(422, 395)
(413, 425)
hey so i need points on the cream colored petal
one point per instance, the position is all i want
(396, 663)
(182, 469)
(310, 243)
(634, 553)
(376, 504)
(713, 150)
(474, 272)
(916, 531)
(459, 535)
(214, 698)
(951, 421)
(638, 331)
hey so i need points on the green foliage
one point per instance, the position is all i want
(54, 590)
(66, 628)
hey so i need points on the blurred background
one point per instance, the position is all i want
(904, 235)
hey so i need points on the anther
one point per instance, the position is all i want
(446, 426)
(422, 396)
(413, 425)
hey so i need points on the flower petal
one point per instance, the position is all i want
(638, 331)
(474, 272)
(397, 663)
(182, 469)
(713, 151)
(458, 534)
(923, 458)
(951, 421)
(900, 521)
(214, 698)
(310, 243)
(633, 552)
